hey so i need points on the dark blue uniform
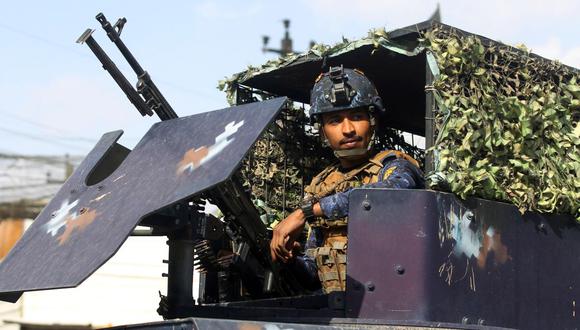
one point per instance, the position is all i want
(397, 173)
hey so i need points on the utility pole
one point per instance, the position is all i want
(285, 43)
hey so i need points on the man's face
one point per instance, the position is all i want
(347, 129)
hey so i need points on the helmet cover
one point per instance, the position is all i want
(342, 89)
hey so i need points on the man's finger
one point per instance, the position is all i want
(272, 251)
(279, 250)
(296, 246)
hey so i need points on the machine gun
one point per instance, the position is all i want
(115, 189)
(190, 241)
(146, 97)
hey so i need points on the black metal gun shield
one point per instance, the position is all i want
(94, 212)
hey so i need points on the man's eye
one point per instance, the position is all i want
(333, 120)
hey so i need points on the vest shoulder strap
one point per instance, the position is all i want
(387, 155)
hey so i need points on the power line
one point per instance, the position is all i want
(86, 55)
(40, 138)
(46, 41)
(37, 124)
(39, 158)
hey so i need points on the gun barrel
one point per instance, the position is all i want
(115, 37)
(110, 67)
(145, 85)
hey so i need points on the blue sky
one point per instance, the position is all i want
(56, 99)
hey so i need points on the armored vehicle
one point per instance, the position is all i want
(492, 243)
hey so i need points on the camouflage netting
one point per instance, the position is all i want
(276, 169)
(290, 153)
(286, 158)
(507, 124)
(378, 38)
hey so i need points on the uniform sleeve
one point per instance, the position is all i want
(397, 173)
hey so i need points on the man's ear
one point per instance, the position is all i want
(323, 138)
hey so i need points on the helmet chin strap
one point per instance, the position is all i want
(350, 152)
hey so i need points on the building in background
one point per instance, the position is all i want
(124, 290)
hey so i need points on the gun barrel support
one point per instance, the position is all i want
(180, 276)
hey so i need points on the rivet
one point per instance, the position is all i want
(481, 322)
(465, 320)
(100, 187)
(370, 286)
(366, 205)
(399, 269)
(542, 227)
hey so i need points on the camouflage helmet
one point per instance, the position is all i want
(342, 89)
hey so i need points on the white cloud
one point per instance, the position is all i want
(498, 19)
(553, 49)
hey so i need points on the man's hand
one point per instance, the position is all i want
(285, 235)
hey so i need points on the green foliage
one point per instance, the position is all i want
(507, 124)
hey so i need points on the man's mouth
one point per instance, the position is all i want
(351, 142)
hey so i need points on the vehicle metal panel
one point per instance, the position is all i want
(84, 225)
(427, 256)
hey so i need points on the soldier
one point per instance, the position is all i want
(345, 104)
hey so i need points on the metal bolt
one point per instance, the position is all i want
(83, 210)
(542, 227)
(470, 216)
(481, 322)
(100, 187)
(366, 205)
(465, 320)
(370, 286)
(399, 269)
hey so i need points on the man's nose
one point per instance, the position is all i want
(347, 127)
